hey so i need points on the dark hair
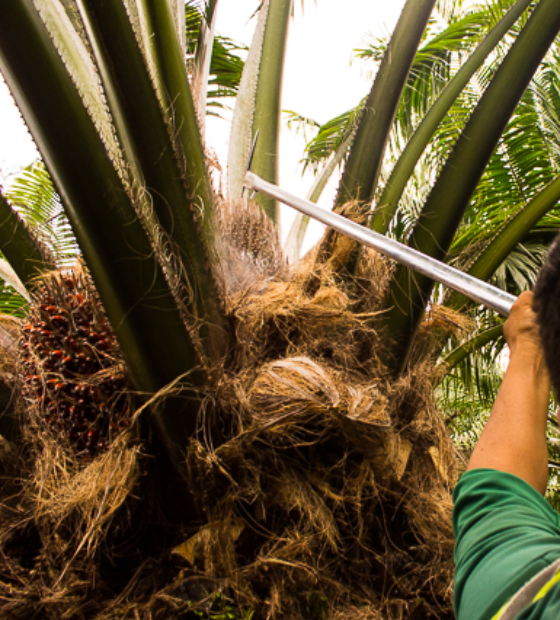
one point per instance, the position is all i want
(547, 306)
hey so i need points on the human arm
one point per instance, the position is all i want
(514, 438)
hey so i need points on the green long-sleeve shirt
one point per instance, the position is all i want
(505, 533)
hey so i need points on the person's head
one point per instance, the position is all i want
(547, 307)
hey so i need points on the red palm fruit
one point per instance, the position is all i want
(72, 365)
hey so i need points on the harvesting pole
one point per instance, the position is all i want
(471, 287)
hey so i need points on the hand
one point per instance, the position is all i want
(514, 439)
(521, 330)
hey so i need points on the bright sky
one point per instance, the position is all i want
(320, 81)
(16, 148)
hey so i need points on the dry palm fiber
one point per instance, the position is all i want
(328, 498)
(340, 499)
(340, 476)
(85, 519)
(79, 461)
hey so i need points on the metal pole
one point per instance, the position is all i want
(471, 287)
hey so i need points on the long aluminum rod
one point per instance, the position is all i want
(471, 287)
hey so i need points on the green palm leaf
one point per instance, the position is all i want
(448, 201)
(215, 64)
(447, 98)
(33, 196)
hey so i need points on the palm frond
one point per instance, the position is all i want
(328, 139)
(449, 10)
(226, 69)
(32, 194)
(444, 47)
(365, 160)
(12, 303)
(520, 269)
(226, 64)
(258, 106)
(299, 123)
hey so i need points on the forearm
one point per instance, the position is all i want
(514, 439)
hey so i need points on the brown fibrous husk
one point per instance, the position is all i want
(326, 496)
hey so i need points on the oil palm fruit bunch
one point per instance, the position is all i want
(74, 381)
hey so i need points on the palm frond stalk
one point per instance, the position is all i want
(258, 103)
(361, 172)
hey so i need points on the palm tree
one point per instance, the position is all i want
(284, 421)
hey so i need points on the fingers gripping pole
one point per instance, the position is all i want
(471, 287)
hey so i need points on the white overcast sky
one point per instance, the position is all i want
(320, 80)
